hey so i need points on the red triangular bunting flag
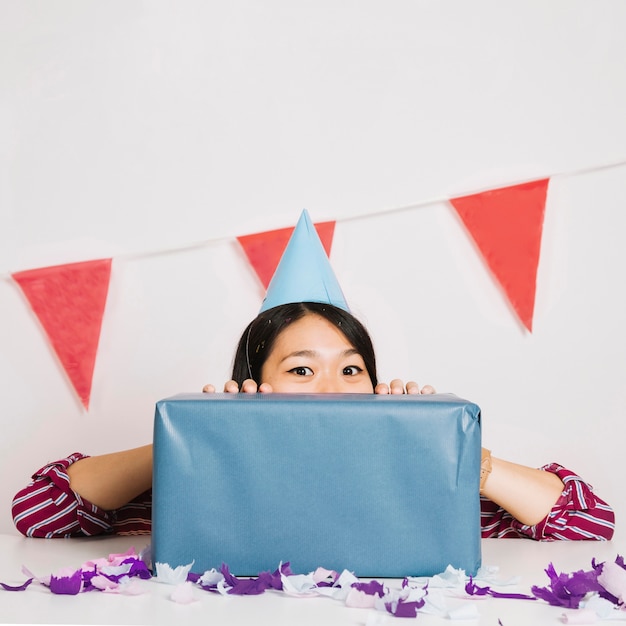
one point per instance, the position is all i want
(265, 249)
(506, 225)
(69, 301)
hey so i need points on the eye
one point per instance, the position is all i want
(352, 370)
(301, 371)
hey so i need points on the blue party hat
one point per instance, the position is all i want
(304, 273)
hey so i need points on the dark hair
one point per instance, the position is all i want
(258, 338)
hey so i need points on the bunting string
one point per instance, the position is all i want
(185, 247)
(445, 199)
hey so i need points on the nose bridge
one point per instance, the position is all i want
(328, 382)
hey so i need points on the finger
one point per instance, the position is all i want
(397, 386)
(381, 388)
(265, 388)
(208, 389)
(412, 387)
(249, 386)
(231, 387)
(428, 389)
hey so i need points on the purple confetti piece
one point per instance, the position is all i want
(372, 588)
(137, 568)
(253, 586)
(130, 567)
(472, 589)
(275, 579)
(18, 588)
(67, 585)
(510, 596)
(567, 590)
(404, 608)
(246, 586)
(88, 576)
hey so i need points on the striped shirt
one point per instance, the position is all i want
(47, 507)
(577, 514)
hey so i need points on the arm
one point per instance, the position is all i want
(577, 514)
(111, 480)
(528, 494)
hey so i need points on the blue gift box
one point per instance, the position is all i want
(384, 486)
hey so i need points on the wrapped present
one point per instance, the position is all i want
(384, 486)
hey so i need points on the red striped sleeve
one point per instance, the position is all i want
(577, 514)
(134, 518)
(47, 507)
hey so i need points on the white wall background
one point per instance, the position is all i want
(131, 127)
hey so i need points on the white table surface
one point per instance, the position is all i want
(514, 557)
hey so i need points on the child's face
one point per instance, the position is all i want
(313, 356)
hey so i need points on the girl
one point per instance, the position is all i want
(314, 348)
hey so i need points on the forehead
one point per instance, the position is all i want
(311, 331)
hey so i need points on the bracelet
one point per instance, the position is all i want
(485, 467)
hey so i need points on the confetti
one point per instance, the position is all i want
(587, 595)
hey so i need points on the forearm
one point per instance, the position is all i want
(112, 480)
(528, 494)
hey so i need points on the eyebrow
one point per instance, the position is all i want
(314, 353)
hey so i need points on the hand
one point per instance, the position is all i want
(396, 386)
(248, 386)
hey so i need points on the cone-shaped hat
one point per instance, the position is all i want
(304, 273)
